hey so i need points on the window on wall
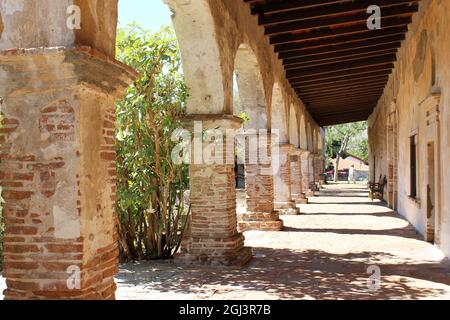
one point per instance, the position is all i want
(413, 166)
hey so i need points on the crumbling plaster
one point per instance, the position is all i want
(422, 69)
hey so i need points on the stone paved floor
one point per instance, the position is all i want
(322, 254)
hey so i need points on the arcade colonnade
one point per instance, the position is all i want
(58, 88)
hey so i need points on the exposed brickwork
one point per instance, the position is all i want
(298, 194)
(259, 187)
(318, 167)
(58, 179)
(305, 171)
(260, 221)
(283, 200)
(213, 237)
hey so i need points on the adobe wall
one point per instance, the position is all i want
(421, 73)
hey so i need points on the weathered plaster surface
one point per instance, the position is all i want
(423, 68)
(43, 23)
(210, 34)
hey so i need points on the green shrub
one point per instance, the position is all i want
(151, 211)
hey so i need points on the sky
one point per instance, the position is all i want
(151, 14)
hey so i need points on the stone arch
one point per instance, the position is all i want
(293, 127)
(195, 30)
(250, 88)
(303, 133)
(278, 111)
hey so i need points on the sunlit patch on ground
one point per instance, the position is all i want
(322, 254)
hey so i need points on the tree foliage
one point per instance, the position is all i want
(344, 139)
(151, 212)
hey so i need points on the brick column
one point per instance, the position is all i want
(319, 167)
(297, 178)
(283, 201)
(306, 172)
(312, 175)
(57, 171)
(260, 214)
(213, 237)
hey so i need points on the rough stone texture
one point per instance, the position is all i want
(213, 237)
(26, 24)
(59, 176)
(210, 33)
(218, 40)
(298, 195)
(57, 171)
(305, 168)
(416, 102)
(323, 254)
(318, 166)
(283, 200)
(259, 187)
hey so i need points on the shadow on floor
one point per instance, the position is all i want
(306, 273)
(400, 232)
(288, 274)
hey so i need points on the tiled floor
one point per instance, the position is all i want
(324, 253)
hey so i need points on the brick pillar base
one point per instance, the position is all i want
(213, 237)
(57, 171)
(283, 196)
(318, 169)
(306, 173)
(296, 173)
(260, 213)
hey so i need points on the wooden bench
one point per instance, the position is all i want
(314, 187)
(376, 189)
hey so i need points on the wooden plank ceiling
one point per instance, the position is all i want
(338, 67)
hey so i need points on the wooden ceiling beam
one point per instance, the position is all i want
(329, 10)
(377, 74)
(349, 38)
(340, 66)
(339, 47)
(345, 30)
(342, 85)
(341, 56)
(343, 73)
(305, 25)
(312, 99)
(305, 92)
(288, 5)
(350, 96)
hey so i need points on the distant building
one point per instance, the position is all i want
(361, 167)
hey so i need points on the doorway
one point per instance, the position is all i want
(431, 194)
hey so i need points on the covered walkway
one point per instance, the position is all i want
(322, 254)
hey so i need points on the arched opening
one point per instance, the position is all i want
(248, 104)
(249, 89)
(254, 147)
(195, 30)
